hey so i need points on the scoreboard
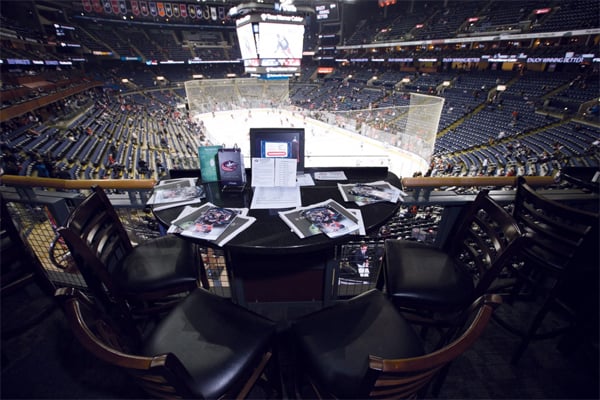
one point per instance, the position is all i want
(271, 43)
(327, 11)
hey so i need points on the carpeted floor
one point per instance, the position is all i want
(46, 361)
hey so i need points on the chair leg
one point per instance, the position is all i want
(531, 331)
(438, 381)
(380, 282)
(203, 274)
(572, 339)
(512, 292)
(524, 287)
(256, 374)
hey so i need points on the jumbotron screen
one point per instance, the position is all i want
(271, 44)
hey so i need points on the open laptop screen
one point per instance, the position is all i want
(279, 143)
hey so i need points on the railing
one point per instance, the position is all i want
(40, 205)
(147, 184)
(66, 184)
(470, 181)
(31, 105)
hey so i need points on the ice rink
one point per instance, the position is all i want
(325, 145)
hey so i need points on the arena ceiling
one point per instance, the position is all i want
(76, 6)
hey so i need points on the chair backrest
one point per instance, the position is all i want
(409, 377)
(559, 234)
(487, 238)
(161, 376)
(98, 242)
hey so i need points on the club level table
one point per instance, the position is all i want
(268, 262)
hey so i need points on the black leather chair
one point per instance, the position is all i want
(559, 270)
(364, 348)
(427, 280)
(206, 347)
(151, 276)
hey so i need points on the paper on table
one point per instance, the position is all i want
(331, 176)
(187, 210)
(305, 180)
(361, 224)
(178, 204)
(276, 197)
(219, 227)
(328, 217)
(368, 193)
(176, 191)
(273, 172)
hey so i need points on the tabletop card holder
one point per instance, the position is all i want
(208, 163)
(232, 173)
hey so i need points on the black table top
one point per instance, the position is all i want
(270, 235)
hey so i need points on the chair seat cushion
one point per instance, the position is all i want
(167, 261)
(335, 343)
(424, 277)
(216, 340)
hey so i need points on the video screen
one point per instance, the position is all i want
(247, 44)
(278, 143)
(280, 40)
(270, 44)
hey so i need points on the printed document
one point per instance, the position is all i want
(276, 197)
(274, 183)
(331, 176)
(269, 172)
(328, 217)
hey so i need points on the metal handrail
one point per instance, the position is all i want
(469, 181)
(137, 184)
(69, 184)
